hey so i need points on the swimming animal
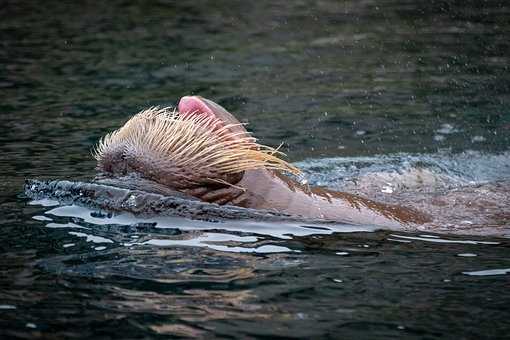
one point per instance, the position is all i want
(201, 150)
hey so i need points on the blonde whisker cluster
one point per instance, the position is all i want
(196, 142)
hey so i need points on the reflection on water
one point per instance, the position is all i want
(283, 230)
(488, 272)
(436, 239)
(196, 277)
(180, 281)
(397, 79)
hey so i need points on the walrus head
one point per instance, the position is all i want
(198, 149)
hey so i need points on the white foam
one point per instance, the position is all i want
(488, 272)
(44, 202)
(7, 307)
(442, 240)
(41, 218)
(208, 240)
(91, 238)
(282, 230)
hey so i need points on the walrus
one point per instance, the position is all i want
(202, 151)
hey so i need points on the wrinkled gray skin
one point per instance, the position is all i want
(125, 195)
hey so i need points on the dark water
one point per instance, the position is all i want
(355, 89)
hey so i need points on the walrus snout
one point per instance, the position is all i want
(200, 148)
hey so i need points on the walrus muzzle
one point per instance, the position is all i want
(198, 149)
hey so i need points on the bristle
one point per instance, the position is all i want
(192, 142)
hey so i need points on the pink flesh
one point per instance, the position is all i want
(193, 105)
(196, 105)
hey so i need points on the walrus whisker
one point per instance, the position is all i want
(221, 181)
(192, 142)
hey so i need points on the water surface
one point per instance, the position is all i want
(357, 90)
